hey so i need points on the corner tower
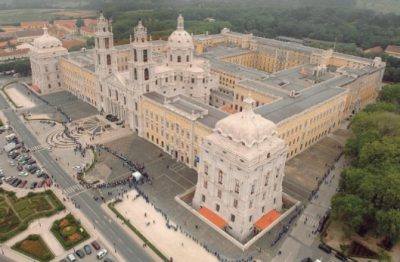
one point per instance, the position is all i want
(241, 172)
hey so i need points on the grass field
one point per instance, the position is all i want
(35, 247)
(17, 213)
(8, 17)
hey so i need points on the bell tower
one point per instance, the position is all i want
(104, 46)
(141, 64)
(141, 70)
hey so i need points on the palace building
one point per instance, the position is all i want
(233, 106)
(173, 93)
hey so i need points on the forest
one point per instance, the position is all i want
(369, 197)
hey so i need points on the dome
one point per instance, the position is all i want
(46, 41)
(180, 39)
(246, 127)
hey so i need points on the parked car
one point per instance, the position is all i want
(325, 248)
(88, 249)
(20, 168)
(80, 253)
(33, 170)
(95, 245)
(31, 161)
(22, 173)
(48, 182)
(22, 184)
(102, 253)
(71, 257)
(17, 183)
(341, 257)
(33, 185)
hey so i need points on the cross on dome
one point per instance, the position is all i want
(180, 25)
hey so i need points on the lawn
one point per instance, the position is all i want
(17, 213)
(69, 231)
(34, 247)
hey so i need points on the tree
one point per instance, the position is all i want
(90, 42)
(380, 107)
(389, 224)
(390, 94)
(79, 23)
(350, 210)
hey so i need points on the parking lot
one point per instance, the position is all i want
(17, 167)
(89, 252)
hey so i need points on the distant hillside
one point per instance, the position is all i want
(385, 6)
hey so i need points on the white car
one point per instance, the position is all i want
(12, 163)
(102, 253)
(23, 173)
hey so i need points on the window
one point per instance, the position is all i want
(220, 176)
(135, 73)
(108, 59)
(107, 43)
(145, 55)
(250, 218)
(203, 198)
(170, 58)
(179, 59)
(217, 207)
(263, 196)
(205, 184)
(262, 210)
(275, 186)
(146, 74)
(116, 95)
(251, 204)
(235, 203)
(266, 179)
(232, 218)
(219, 194)
(205, 168)
(135, 55)
(187, 58)
(237, 186)
(253, 186)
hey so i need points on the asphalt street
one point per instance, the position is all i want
(124, 244)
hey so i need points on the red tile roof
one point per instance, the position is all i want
(376, 49)
(15, 52)
(267, 219)
(393, 49)
(36, 88)
(72, 43)
(212, 217)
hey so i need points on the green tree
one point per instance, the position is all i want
(389, 224)
(390, 94)
(350, 210)
(79, 23)
(380, 107)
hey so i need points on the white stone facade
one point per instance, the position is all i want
(240, 177)
(44, 58)
(120, 93)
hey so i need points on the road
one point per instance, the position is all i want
(124, 244)
(301, 241)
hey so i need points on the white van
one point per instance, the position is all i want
(11, 137)
(102, 253)
(71, 257)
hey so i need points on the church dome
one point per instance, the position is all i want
(180, 39)
(246, 127)
(46, 41)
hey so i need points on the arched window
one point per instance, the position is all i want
(135, 74)
(135, 55)
(179, 59)
(145, 55)
(187, 58)
(146, 74)
(108, 59)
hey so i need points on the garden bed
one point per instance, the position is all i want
(69, 232)
(17, 213)
(34, 247)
